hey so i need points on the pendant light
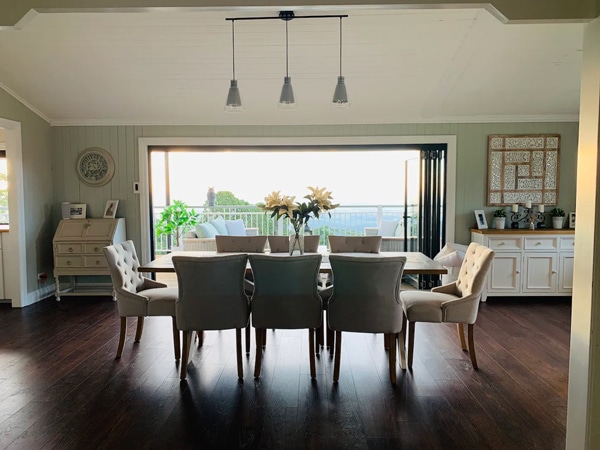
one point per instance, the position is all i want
(340, 96)
(286, 99)
(234, 100)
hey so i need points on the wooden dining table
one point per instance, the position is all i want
(417, 263)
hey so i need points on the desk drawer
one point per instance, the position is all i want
(541, 243)
(567, 243)
(69, 248)
(93, 261)
(69, 261)
(508, 244)
(95, 248)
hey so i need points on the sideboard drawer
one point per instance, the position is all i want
(507, 243)
(541, 243)
(567, 243)
(95, 261)
(94, 248)
(69, 248)
(69, 261)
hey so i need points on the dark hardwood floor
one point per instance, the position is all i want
(60, 386)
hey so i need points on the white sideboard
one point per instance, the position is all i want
(534, 263)
(78, 245)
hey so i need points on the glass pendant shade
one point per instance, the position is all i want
(340, 96)
(234, 101)
(286, 99)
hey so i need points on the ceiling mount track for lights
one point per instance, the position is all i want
(286, 99)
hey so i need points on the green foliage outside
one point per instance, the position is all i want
(175, 220)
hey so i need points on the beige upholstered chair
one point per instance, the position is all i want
(211, 297)
(366, 299)
(281, 244)
(243, 244)
(285, 297)
(138, 296)
(354, 244)
(457, 302)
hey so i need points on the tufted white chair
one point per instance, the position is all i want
(457, 302)
(136, 295)
(366, 299)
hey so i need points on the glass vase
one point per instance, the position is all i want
(297, 241)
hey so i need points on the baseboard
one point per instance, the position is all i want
(39, 294)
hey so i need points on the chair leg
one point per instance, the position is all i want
(338, 351)
(200, 335)
(411, 343)
(238, 351)
(122, 336)
(187, 343)
(391, 339)
(176, 342)
(386, 341)
(472, 345)
(460, 328)
(264, 337)
(330, 339)
(139, 329)
(311, 352)
(400, 337)
(248, 330)
(257, 362)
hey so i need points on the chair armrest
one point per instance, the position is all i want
(150, 284)
(371, 231)
(446, 289)
(251, 231)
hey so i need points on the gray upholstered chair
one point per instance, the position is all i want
(136, 295)
(354, 244)
(281, 244)
(211, 297)
(366, 299)
(285, 297)
(457, 302)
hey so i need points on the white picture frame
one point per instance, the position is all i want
(110, 210)
(480, 219)
(572, 219)
(78, 210)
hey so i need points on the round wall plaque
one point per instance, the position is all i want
(95, 166)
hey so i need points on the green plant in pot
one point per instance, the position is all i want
(500, 218)
(558, 217)
(175, 220)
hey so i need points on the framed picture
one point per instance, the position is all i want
(571, 220)
(78, 210)
(110, 210)
(480, 219)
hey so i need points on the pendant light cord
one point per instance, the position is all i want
(233, 45)
(340, 46)
(286, 49)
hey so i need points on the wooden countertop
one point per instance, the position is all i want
(524, 231)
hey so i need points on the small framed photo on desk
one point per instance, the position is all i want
(78, 210)
(110, 210)
(571, 220)
(480, 219)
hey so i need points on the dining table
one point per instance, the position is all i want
(417, 263)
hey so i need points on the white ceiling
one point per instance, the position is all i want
(401, 66)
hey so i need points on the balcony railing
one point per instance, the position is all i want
(345, 220)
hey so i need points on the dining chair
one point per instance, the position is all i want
(285, 297)
(456, 302)
(136, 295)
(211, 297)
(281, 244)
(366, 299)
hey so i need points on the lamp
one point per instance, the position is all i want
(286, 99)
(340, 96)
(234, 101)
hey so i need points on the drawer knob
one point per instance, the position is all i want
(97, 262)
(501, 243)
(71, 249)
(68, 263)
(538, 243)
(517, 272)
(96, 249)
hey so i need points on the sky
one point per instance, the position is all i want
(354, 177)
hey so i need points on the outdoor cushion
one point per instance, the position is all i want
(235, 227)
(220, 225)
(206, 230)
(387, 228)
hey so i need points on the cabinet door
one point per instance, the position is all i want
(505, 273)
(565, 279)
(539, 272)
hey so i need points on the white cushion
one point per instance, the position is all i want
(220, 225)
(451, 255)
(235, 227)
(387, 228)
(206, 230)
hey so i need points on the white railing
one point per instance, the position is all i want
(345, 220)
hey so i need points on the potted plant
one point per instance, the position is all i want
(558, 217)
(175, 220)
(500, 218)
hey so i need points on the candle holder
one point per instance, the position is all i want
(535, 219)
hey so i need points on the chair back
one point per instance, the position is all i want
(354, 244)
(285, 291)
(243, 244)
(281, 244)
(366, 293)
(123, 266)
(211, 292)
(473, 270)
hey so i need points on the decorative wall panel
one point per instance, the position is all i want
(523, 167)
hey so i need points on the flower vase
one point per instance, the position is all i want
(297, 241)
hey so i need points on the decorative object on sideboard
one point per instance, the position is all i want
(65, 209)
(95, 166)
(523, 168)
(558, 218)
(572, 220)
(500, 219)
(534, 219)
(480, 219)
(110, 210)
(78, 210)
